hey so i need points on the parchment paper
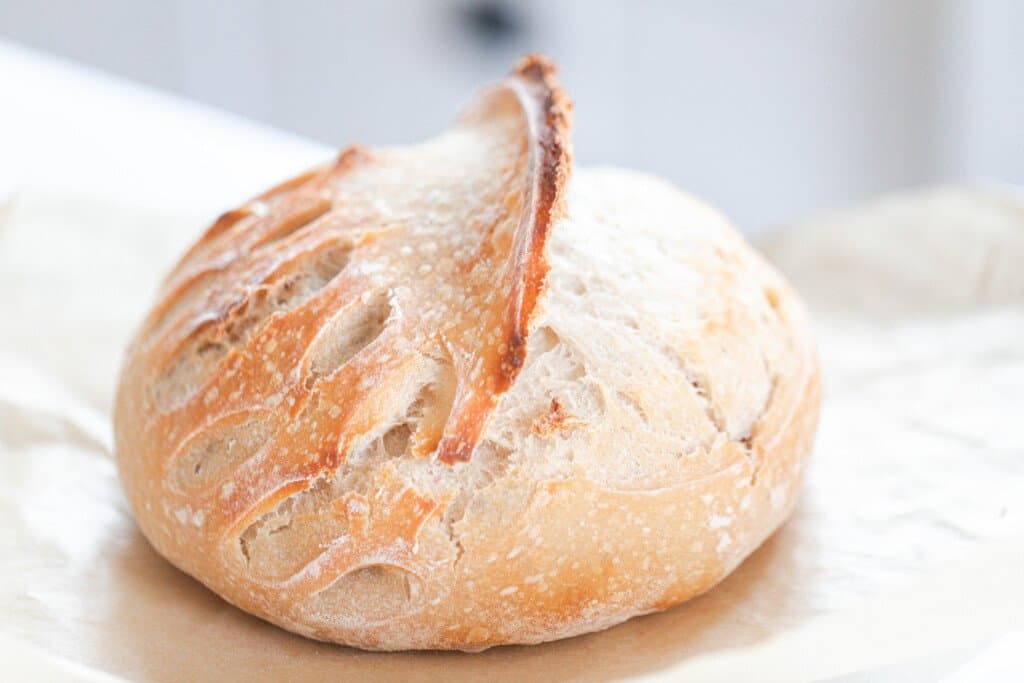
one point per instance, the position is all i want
(905, 551)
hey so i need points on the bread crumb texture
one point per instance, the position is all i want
(445, 396)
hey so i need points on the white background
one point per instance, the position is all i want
(769, 110)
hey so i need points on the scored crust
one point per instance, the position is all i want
(436, 397)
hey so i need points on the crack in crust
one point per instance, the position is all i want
(451, 234)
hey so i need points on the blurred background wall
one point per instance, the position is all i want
(769, 110)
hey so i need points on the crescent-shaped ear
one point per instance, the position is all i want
(527, 108)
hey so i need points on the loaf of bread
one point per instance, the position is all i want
(455, 395)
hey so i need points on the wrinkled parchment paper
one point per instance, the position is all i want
(905, 554)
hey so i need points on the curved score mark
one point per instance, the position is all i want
(386, 527)
(288, 466)
(226, 222)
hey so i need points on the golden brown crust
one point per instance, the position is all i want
(324, 417)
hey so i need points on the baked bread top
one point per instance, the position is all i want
(442, 397)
